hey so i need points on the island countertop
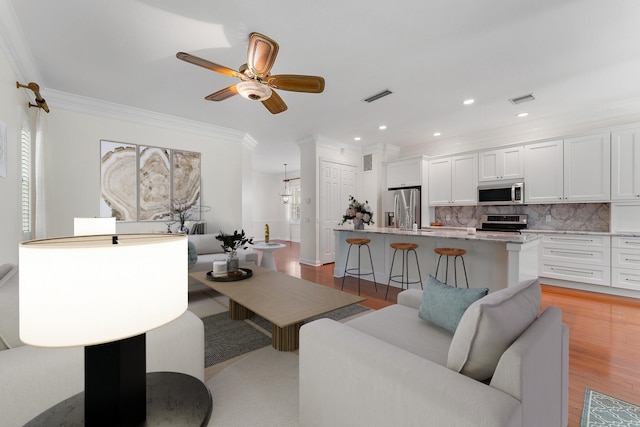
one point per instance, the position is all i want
(450, 233)
(493, 259)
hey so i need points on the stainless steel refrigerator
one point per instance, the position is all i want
(405, 208)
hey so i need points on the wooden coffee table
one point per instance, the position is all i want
(283, 300)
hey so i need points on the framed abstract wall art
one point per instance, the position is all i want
(118, 178)
(145, 183)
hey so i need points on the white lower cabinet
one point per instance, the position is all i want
(580, 258)
(625, 262)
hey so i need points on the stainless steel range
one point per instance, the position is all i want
(503, 223)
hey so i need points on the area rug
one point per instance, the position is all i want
(601, 410)
(226, 338)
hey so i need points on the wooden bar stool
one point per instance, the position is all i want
(404, 274)
(455, 253)
(355, 271)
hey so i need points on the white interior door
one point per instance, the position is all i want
(337, 182)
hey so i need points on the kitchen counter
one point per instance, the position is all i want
(593, 233)
(494, 260)
(452, 233)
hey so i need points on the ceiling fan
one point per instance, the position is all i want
(257, 84)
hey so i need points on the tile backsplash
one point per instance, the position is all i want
(562, 216)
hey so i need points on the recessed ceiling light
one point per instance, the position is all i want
(382, 127)
(357, 138)
(469, 101)
(437, 134)
(523, 114)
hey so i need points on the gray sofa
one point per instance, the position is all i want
(209, 249)
(32, 379)
(503, 366)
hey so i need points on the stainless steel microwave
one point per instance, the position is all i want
(506, 193)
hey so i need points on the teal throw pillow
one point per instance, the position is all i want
(192, 254)
(444, 305)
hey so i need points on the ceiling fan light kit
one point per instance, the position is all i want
(253, 90)
(257, 84)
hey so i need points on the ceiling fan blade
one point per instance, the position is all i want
(222, 94)
(261, 54)
(274, 103)
(296, 83)
(208, 65)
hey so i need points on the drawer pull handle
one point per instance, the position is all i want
(632, 242)
(571, 271)
(576, 239)
(632, 280)
(555, 251)
(632, 260)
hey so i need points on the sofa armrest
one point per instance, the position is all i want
(349, 378)
(534, 370)
(411, 298)
(33, 379)
(177, 346)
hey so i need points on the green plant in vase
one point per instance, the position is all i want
(230, 244)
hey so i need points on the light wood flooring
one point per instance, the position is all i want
(604, 349)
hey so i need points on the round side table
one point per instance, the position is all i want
(267, 253)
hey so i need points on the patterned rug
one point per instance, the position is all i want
(225, 339)
(601, 410)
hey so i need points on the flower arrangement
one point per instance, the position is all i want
(359, 213)
(232, 242)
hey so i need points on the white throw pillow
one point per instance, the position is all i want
(489, 326)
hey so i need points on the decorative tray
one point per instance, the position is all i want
(246, 273)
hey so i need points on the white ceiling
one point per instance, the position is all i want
(580, 59)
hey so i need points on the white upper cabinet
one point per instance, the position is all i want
(574, 170)
(587, 168)
(404, 173)
(454, 180)
(440, 182)
(625, 164)
(543, 168)
(507, 163)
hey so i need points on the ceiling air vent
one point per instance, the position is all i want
(378, 96)
(524, 98)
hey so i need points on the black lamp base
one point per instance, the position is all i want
(115, 383)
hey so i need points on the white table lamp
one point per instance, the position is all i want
(103, 292)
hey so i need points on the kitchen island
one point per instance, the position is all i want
(494, 260)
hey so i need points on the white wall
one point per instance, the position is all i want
(13, 107)
(73, 169)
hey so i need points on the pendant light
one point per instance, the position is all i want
(285, 194)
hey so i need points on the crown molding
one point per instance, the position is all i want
(81, 104)
(249, 141)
